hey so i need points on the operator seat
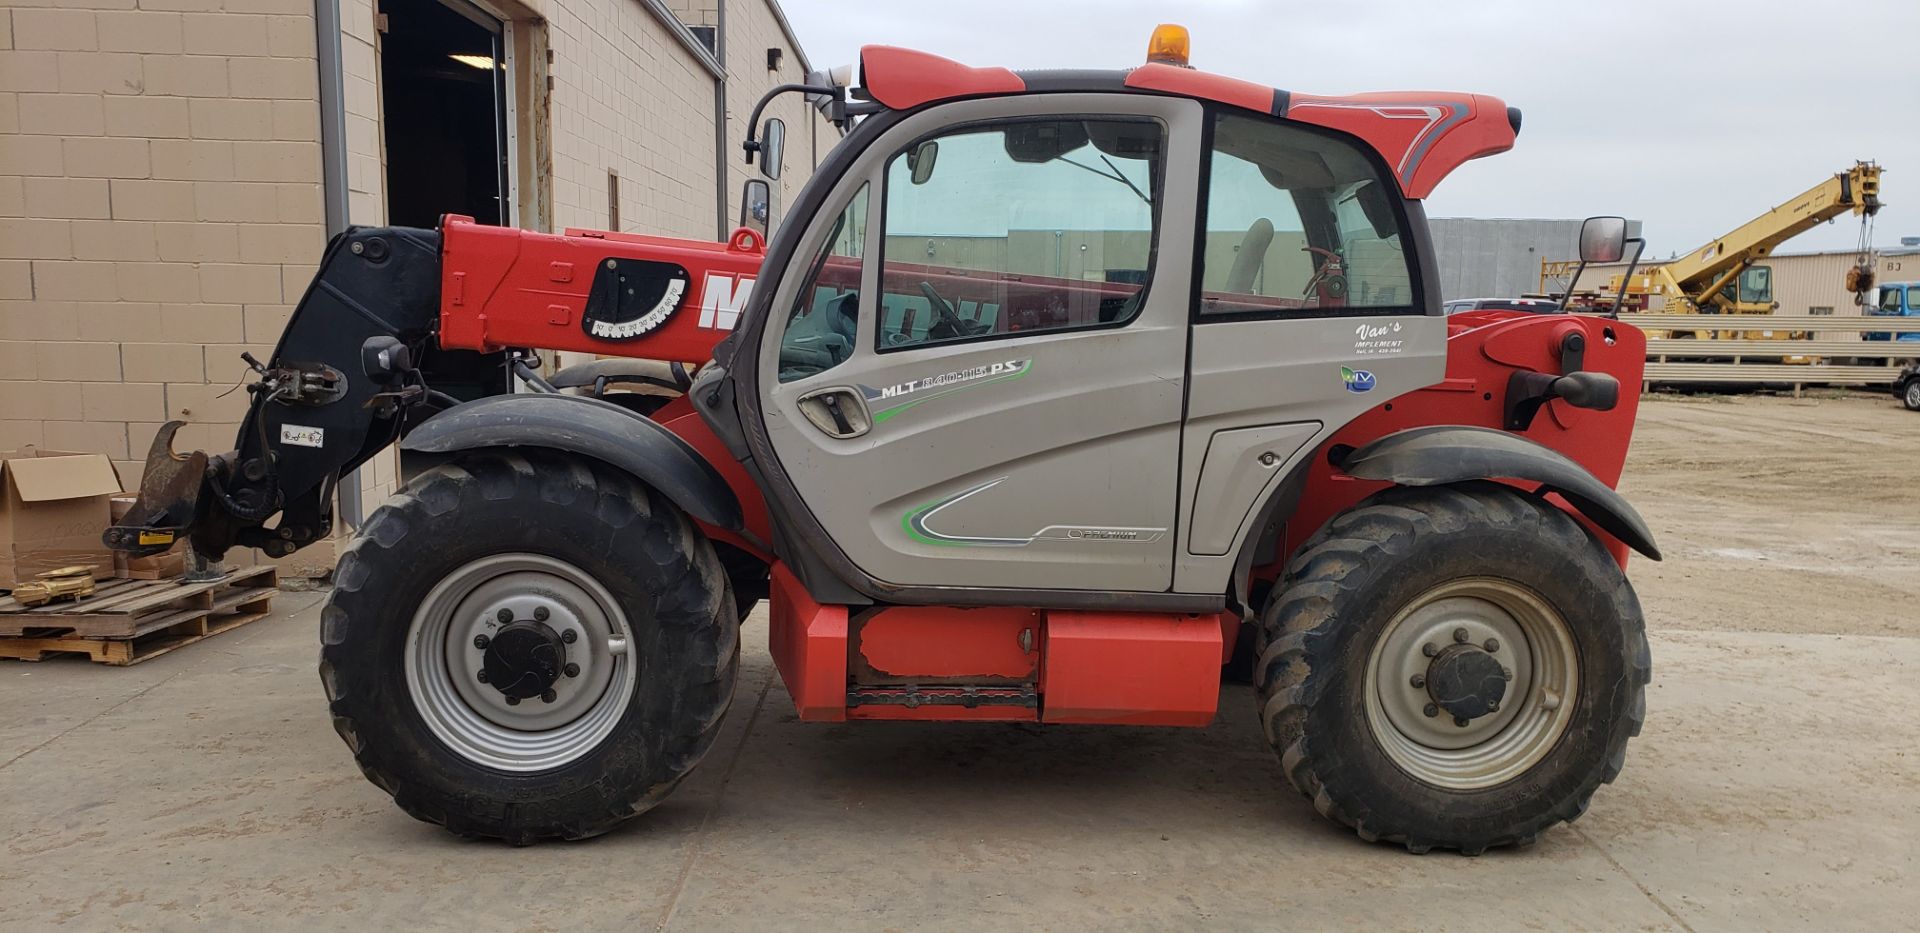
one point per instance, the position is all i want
(822, 338)
(1252, 255)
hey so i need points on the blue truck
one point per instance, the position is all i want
(1897, 299)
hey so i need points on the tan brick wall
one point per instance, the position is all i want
(159, 212)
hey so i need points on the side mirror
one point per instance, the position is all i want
(756, 206)
(1603, 239)
(773, 145)
(920, 161)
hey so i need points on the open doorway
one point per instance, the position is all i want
(443, 86)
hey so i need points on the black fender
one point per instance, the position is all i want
(591, 428)
(1436, 456)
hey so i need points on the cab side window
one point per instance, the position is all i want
(826, 312)
(1298, 221)
(1017, 227)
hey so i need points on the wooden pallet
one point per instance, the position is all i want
(129, 621)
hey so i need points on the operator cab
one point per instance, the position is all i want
(1753, 288)
(1897, 299)
(1101, 291)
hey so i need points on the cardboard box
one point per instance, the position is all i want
(54, 505)
(163, 566)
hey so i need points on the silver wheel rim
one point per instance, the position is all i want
(443, 663)
(1534, 645)
(1913, 395)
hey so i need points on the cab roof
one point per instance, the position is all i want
(1422, 135)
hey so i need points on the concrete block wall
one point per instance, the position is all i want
(628, 97)
(752, 29)
(160, 210)
(161, 202)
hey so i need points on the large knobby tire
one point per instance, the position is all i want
(649, 630)
(1374, 605)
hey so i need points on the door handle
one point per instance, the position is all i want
(837, 412)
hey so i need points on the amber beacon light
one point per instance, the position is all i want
(1169, 45)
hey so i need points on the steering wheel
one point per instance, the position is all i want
(947, 315)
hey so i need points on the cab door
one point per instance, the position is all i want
(974, 370)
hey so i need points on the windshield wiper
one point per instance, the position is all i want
(1116, 176)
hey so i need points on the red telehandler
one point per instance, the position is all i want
(1055, 391)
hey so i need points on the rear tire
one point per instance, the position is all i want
(1911, 397)
(1373, 608)
(568, 548)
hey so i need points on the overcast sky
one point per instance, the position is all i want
(1690, 115)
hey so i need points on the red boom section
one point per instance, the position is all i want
(501, 287)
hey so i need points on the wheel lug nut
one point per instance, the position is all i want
(481, 642)
(1460, 635)
(1429, 650)
(1460, 721)
(569, 636)
(571, 670)
(504, 615)
(482, 675)
(513, 701)
(1493, 707)
(1492, 645)
(540, 613)
(548, 696)
(1431, 710)
(1506, 673)
(1418, 681)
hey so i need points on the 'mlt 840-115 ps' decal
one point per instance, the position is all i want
(920, 391)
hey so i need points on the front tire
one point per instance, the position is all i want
(525, 645)
(1911, 397)
(1456, 667)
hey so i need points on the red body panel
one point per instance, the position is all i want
(947, 644)
(903, 78)
(679, 417)
(502, 287)
(1014, 664)
(1423, 135)
(1186, 82)
(809, 646)
(1483, 349)
(1130, 668)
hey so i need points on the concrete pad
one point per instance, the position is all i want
(1773, 788)
(1777, 785)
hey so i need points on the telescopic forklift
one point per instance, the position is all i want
(1054, 389)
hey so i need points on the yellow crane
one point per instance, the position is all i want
(1724, 276)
